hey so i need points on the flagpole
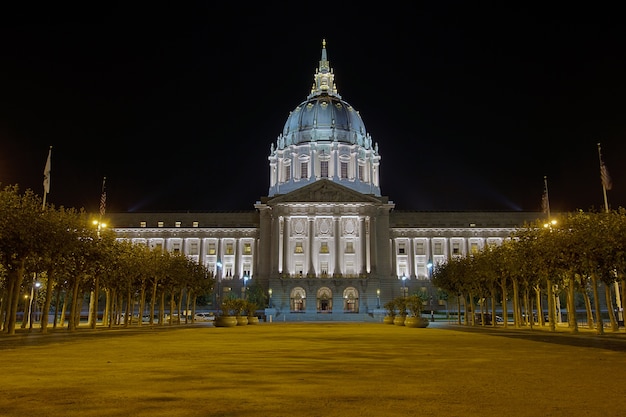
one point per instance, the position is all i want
(602, 173)
(546, 196)
(606, 183)
(46, 177)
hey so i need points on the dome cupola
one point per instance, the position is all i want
(324, 138)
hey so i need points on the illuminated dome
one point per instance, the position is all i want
(324, 138)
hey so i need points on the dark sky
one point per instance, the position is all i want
(177, 104)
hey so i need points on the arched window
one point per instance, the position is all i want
(324, 300)
(297, 300)
(350, 300)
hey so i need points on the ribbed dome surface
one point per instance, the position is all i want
(324, 117)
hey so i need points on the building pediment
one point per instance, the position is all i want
(326, 191)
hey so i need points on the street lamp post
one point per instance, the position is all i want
(218, 267)
(32, 314)
(270, 293)
(404, 278)
(429, 266)
(244, 288)
(378, 298)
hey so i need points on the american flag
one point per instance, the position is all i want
(607, 183)
(103, 198)
(545, 201)
(46, 173)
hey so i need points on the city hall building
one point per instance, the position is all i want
(324, 244)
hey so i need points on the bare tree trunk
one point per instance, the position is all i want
(551, 306)
(590, 321)
(571, 305)
(596, 305)
(14, 296)
(609, 306)
(45, 309)
(74, 307)
(516, 307)
(505, 307)
(93, 303)
(539, 306)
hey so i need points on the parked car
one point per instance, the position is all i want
(499, 319)
(204, 317)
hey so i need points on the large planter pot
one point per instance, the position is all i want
(416, 322)
(398, 321)
(253, 320)
(225, 321)
(388, 320)
(242, 320)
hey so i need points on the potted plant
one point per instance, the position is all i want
(390, 306)
(400, 303)
(414, 304)
(250, 310)
(227, 313)
(240, 309)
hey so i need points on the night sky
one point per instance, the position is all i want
(177, 105)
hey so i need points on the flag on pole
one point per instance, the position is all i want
(607, 183)
(46, 173)
(545, 201)
(103, 198)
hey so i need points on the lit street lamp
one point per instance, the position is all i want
(244, 288)
(218, 267)
(378, 298)
(99, 226)
(270, 293)
(404, 278)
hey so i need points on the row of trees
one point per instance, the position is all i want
(62, 250)
(575, 255)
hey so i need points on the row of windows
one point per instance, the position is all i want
(299, 248)
(229, 248)
(343, 171)
(420, 248)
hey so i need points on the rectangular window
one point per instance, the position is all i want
(229, 249)
(324, 169)
(211, 249)
(178, 224)
(324, 268)
(344, 170)
(299, 269)
(142, 224)
(401, 248)
(349, 247)
(419, 248)
(350, 269)
(193, 248)
(474, 248)
(438, 248)
(324, 247)
(304, 170)
(361, 173)
(456, 248)
(287, 173)
(176, 247)
(247, 248)
(299, 248)
(160, 224)
(195, 224)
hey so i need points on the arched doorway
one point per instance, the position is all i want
(350, 300)
(324, 300)
(297, 300)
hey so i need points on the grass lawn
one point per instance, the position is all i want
(312, 369)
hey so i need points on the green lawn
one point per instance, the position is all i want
(312, 369)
